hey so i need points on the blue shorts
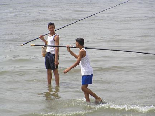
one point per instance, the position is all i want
(50, 61)
(87, 79)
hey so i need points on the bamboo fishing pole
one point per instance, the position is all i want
(99, 49)
(79, 20)
(51, 46)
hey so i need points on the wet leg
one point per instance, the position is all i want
(56, 74)
(49, 76)
(88, 91)
(86, 94)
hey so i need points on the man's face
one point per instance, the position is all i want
(51, 28)
(77, 44)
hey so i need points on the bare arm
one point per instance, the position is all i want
(42, 38)
(56, 49)
(76, 63)
(72, 53)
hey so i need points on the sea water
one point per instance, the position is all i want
(124, 80)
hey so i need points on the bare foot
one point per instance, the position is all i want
(99, 101)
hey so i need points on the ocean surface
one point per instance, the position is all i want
(126, 81)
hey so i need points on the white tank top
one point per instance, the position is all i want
(86, 69)
(51, 41)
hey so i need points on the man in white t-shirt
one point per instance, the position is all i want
(52, 54)
(86, 70)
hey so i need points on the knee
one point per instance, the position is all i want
(49, 72)
(56, 72)
(82, 88)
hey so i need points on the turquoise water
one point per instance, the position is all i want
(124, 80)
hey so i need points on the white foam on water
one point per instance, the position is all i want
(92, 107)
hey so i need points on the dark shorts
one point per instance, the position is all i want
(87, 79)
(49, 61)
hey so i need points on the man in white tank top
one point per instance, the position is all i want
(86, 69)
(51, 58)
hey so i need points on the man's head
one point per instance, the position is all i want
(79, 41)
(51, 26)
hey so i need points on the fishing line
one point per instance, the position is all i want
(78, 21)
(116, 50)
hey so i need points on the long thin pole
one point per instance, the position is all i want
(116, 50)
(79, 20)
(51, 46)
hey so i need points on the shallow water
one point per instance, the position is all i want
(124, 80)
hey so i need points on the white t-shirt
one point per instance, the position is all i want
(86, 69)
(51, 41)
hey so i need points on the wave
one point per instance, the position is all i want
(80, 107)
(136, 108)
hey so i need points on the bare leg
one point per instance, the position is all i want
(56, 74)
(49, 76)
(88, 91)
(86, 95)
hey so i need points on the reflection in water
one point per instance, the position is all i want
(52, 93)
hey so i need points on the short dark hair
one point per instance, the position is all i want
(80, 41)
(49, 24)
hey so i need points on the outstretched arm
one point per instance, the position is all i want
(76, 63)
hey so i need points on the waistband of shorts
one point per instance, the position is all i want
(50, 53)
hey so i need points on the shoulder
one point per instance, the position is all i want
(82, 50)
(82, 53)
(56, 37)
